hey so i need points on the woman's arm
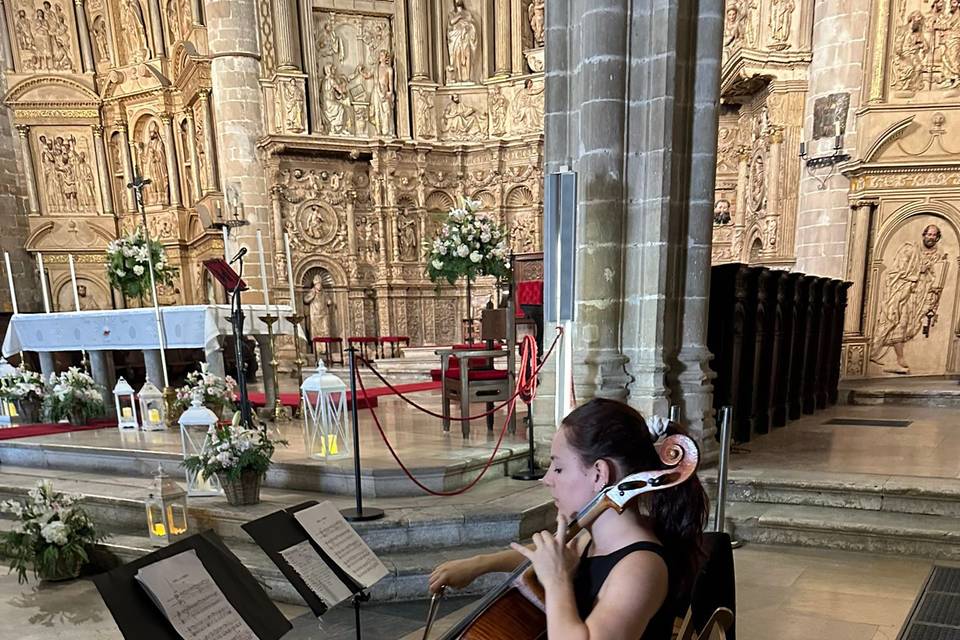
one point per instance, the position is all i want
(460, 573)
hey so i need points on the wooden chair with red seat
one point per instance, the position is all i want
(475, 379)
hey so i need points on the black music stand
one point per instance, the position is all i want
(234, 284)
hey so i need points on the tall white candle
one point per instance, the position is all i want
(226, 245)
(13, 291)
(73, 279)
(293, 295)
(43, 283)
(263, 271)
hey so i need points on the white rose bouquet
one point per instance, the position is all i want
(216, 392)
(232, 450)
(128, 264)
(470, 243)
(73, 395)
(24, 384)
(51, 533)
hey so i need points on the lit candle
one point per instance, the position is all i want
(12, 410)
(154, 415)
(43, 283)
(13, 291)
(263, 271)
(293, 295)
(836, 127)
(158, 530)
(127, 412)
(73, 278)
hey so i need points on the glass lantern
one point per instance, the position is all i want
(153, 410)
(166, 510)
(325, 416)
(8, 408)
(196, 423)
(126, 404)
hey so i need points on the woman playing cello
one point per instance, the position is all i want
(624, 580)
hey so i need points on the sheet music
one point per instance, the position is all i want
(191, 600)
(326, 526)
(321, 579)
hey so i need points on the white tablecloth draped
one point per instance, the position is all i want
(185, 327)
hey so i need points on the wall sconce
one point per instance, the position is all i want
(820, 162)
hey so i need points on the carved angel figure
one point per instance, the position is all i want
(462, 41)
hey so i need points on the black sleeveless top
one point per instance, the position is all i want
(593, 571)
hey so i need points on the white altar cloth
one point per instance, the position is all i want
(185, 327)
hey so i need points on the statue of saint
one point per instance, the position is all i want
(460, 120)
(781, 14)
(910, 50)
(498, 112)
(407, 238)
(528, 113)
(426, 114)
(156, 166)
(334, 95)
(316, 301)
(383, 96)
(535, 12)
(462, 41)
(85, 177)
(914, 284)
(293, 106)
(134, 31)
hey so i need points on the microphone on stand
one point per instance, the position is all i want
(240, 254)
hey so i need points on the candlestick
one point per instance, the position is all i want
(263, 272)
(296, 320)
(836, 127)
(43, 283)
(13, 290)
(293, 295)
(270, 319)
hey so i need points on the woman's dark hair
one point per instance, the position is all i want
(614, 431)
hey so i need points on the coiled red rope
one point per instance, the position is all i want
(526, 389)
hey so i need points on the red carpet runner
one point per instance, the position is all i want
(31, 430)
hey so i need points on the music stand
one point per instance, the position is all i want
(224, 274)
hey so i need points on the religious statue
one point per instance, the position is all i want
(330, 44)
(370, 245)
(316, 301)
(758, 183)
(99, 32)
(155, 161)
(462, 41)
(721, 212)
(535, 12)
(134, 31)
(951, 46)
(43, 40)
(498, 112)
(61, 38)
(914, 284)
(460, 120)
(426, 114)
(781, 15)
(87, 182)
(383, 96)
(25, 37)
(293, 104)
(528, 110)
(86, 302)
(910, 49)
(407, 238)
(335, 99)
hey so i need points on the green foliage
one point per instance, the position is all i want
(128, 265)
(468, 244)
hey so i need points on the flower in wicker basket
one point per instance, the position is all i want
(239, 457)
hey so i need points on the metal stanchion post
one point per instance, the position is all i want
(359, 514)
(675, 414)
(726, 425)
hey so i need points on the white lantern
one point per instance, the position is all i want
(196, 423)
(126, 404)
(8, 408)
(325, 416)
(153, 411)
(166, 510)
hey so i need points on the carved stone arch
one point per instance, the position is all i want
(487, 200)
(892, 133)
(195, 227)
(756, 248)
(41, 232)
(519, 197)
(184, 57)
(946, 212)
(50, 91)
(338, 275)
(98, 292)
(439, 201)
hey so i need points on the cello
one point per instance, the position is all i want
(515, 610)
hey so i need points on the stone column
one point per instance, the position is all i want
(419, 41)
(173, 167)
(694, 384)
(502, 33)
(32, 198)
(86, 46)
(154, 366)
(283, 33)
(127, 158)
(194, 156)
(276, 205)
(310, 65)
(861, 220)
(102, 372)
(351, 224)
(774, 171)
(209, 142)
(103, 170)
(47, 366)
(156, 26)
(5, 40)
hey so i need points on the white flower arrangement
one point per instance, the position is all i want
(51, 532)
(74, 395)
(216, 391)
(470, 243)
(233, 449)
(24, 384)
(128, 259)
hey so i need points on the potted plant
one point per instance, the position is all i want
(239, 457)
(24, 388)
(217, 393)
(73, 395)
(469, 244)
(52, 534)
(128, 264)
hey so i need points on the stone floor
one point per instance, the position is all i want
(783, 593)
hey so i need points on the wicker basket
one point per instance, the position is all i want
(244, 491)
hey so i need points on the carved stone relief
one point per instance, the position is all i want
(535, 13)
(318, 223)
(407, 245)
(781, 18)
(463, 41)
(924, 47)
(152, 153)
(915, 278)
(462, 121)
(293, 105)
(528, 107)
(67, 178)
(45, 36)
(425, 114)
(133, 32)
(92, 296)
(830, 115)
(498, 112)
(98, 33)
(368, 238)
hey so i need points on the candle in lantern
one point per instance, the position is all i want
(263, 271)
(332, 448)
(159, 530)
(127, 412)
(73, 279)
(43, 283)
(12, 410)
(154, 415)
(13, 291)
(293, 295)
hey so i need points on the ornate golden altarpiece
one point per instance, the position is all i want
(377, 117)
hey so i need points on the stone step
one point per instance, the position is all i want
(939, 392)
(867, 492)
(495, 512)
(930, 536)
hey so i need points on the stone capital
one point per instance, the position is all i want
(188, 114)
(864, 202)
(23, 130)
(79, 3)
(97, 130)
(165, 119)
(120, 126)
